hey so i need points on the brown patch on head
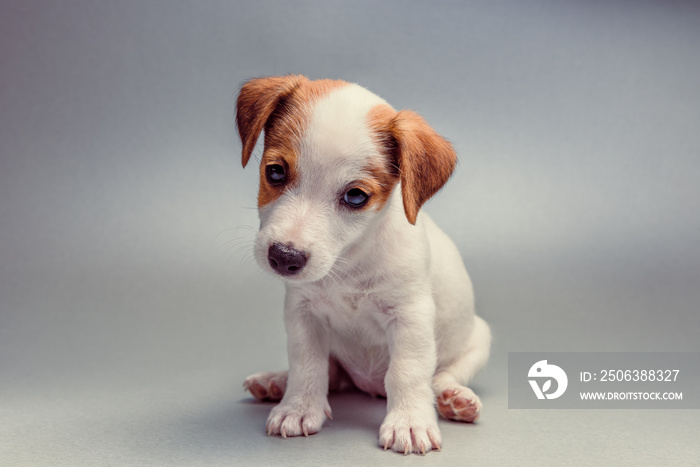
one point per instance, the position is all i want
(269, 192)
(385, 175)
(376, 185)
(280, 105)
(256, 101)
(424, 159)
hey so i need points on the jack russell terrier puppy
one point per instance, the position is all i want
(377, 295)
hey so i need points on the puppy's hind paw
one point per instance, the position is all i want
(459, 404)
(267, 386)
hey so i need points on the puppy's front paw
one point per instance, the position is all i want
(410, 432)
(296, 419)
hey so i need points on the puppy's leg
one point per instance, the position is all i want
(304, 406)
(411, 423)
(455, 401)
(271, 385)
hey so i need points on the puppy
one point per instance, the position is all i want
(376, 294)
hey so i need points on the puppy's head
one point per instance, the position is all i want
(334, 154)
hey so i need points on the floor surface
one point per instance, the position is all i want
(131, 309)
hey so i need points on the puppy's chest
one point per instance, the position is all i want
(357, 316)
(358, 340)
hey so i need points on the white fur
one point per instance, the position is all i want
(390, 302)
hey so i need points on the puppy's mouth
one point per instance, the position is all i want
(286, 260)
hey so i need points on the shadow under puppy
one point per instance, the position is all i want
(376, 294)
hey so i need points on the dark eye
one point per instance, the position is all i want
(275, 174)
(356, 197)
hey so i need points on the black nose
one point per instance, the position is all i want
(286, 260)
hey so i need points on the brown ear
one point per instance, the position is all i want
(425, 159)
(257, 100)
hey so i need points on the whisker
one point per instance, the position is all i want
(235, 246)
(236, 229)
(241, 253)
(347, 275)
(354, 270)
(240, 247)
(236, 242)
(333, 275)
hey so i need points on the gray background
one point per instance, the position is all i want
(130, 308)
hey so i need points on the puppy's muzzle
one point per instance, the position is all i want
(285, 260)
